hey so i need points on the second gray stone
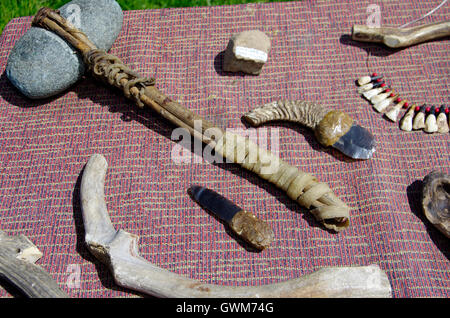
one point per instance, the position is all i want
(41, 64)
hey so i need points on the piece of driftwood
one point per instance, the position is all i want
(326, 207)
(17, 257)
(119, 250)
(401, 37)
(436, 200)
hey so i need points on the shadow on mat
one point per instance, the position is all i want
(376, 49)
(379, 49)
(103, 271)
(414, 193)
(218, 66)
(14, 97)
(11, 288)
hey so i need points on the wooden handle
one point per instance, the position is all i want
(396, 37)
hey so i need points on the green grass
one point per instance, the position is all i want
(10, 9)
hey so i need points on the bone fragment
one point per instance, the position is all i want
(119, 250)
(17, 257)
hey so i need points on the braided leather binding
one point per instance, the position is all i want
(299, 186)
(112, 70)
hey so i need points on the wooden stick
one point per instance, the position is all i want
(396, 37)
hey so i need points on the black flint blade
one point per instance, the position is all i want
(357, 143)
(214, 202)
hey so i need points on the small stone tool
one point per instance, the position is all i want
(331, 127)
(246, 225)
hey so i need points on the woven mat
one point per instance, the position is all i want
(45, 144)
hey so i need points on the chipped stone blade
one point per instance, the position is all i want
(357, 143)
(214, 202)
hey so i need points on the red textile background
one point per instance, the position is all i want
(45, 144)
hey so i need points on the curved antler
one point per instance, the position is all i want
(119, 250)
(397, 37)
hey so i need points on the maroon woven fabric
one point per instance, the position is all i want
(45, 144)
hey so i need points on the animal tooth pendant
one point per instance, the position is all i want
(406, 122)
(441, 120)
(393, 113)
(419, 119)
(385, 100)
(367, 79)
(375, 91)
(381, 106)
(382, 96)
(430, 121)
